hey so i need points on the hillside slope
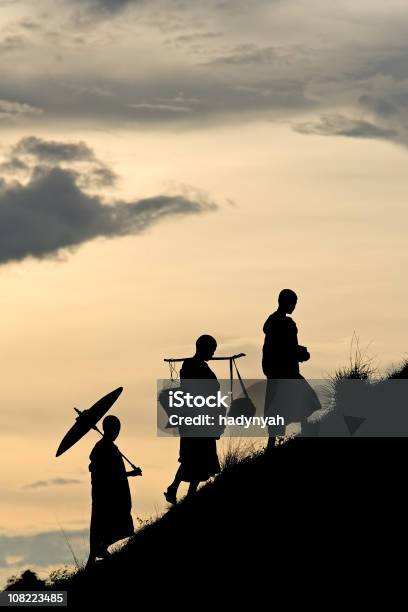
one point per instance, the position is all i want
(257, 518)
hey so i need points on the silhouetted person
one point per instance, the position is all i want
(198, 455)
(111, 519)
(281, 352)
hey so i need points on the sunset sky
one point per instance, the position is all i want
(168, 166)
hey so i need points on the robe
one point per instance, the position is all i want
(198, 455)
(280, 355)
(288, 394)
(111, 518)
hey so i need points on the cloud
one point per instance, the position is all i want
(194, 37)
(39, 484)
(161, 107)
(14, 165)
(248, 55)
(52, 211)
(110, 6)
(33, 150)
(10, 110)
(29, 24)
(52, 151)
(11, 43)
(42, 549)
(208, 95)
(113, 5)
(379, 105)
(264, 60)
(339, 125)
(112, 88)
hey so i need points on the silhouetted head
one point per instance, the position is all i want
(111, 427)
(287, 301)
(205, 347)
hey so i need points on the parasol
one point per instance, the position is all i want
(87, 420)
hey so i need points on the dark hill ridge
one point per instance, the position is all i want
(318, 507)
(258, 517)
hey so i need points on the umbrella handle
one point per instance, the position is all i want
(128, 461)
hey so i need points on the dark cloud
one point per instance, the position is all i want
(11, 43)
(52, 151)
(42, 549)
(114, 5)
(52, 482)
(379, 105)
(14, 165)
(223, 6)
(393, 61)
(248, 55)
(338, 125)
(212, 98)
(186, 39)
(52, 211)
(207, 95)
(160, 108)
(236, 60)
(33, 150)
(101, 176)
(12, 111)
(110, 6)
(29, 24)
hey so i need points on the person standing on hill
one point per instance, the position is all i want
(198, 455)
(111, 519)
(281, 356)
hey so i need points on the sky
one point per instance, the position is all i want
(166, 167)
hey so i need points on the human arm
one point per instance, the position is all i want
(303, 354)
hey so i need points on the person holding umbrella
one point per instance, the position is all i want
(111, 518)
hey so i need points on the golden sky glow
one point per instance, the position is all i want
(297, 133)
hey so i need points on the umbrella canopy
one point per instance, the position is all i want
(87, 420)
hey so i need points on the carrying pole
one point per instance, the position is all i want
(211, 359)
(231, 364)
